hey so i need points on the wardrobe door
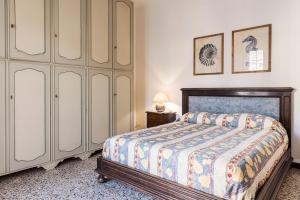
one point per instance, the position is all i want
(123, 102)
(30, 30)
(69, 111)
(2, 29)
(2, 118)
(100, 33)
(29, 115)
(69, 31)
(123, 34)
(99, 107)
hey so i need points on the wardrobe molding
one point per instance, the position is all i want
(2, 119)
(101, 32)
(2, 29)
(99, 107)
(69, 111)
(20, 30)
(69, 38)
(123, 102)
(29, 93)
(63, 95)
(123, 34)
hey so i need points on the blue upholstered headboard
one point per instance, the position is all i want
(215, 104)
(273, 102)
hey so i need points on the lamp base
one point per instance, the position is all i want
(160, 108)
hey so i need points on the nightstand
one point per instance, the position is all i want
(156, 118)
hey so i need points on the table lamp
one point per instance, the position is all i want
(160, 99)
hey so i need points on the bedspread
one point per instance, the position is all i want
(223, 155)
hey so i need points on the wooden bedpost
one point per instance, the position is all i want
(99, 170)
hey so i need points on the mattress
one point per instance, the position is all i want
(229, 156)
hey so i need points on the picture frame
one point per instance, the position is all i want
(209, 55)
(252, 49)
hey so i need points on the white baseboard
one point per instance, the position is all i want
(296, 161)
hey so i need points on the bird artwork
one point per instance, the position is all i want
(252, 43)
(251, 46)
(207, 54)
(251, 49)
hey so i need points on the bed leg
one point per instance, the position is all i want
(102, 179)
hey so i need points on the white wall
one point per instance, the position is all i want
(164, 48)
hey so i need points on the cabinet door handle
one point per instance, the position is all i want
(55, 35)
(56, 96)
(12, 26)
(115, 47)
(115, 94)
(11, 97)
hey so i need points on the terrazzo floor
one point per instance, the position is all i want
(75, 179)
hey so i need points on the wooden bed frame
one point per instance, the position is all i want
(164, 189)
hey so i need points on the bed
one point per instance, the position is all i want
(243, 154)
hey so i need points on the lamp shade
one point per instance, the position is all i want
(160, 98)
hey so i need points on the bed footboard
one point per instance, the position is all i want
(149, 184)
(168, 190)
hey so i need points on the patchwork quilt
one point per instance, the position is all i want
(227, 155)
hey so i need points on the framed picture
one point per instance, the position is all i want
(251, 49)
(209, 54)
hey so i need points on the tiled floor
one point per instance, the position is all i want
(290, 189)
(75, 179)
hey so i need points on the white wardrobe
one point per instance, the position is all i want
(3, 140)
(66, 79)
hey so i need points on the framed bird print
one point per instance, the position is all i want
(251, 49)
(209, 54)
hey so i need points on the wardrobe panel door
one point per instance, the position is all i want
(100, 33)
(69, 107)
(26, 16)
(123, 93)
(29, 115)
(123, 34)
(2, 118)
(69, 31)
(99, 93)
(2, 28)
